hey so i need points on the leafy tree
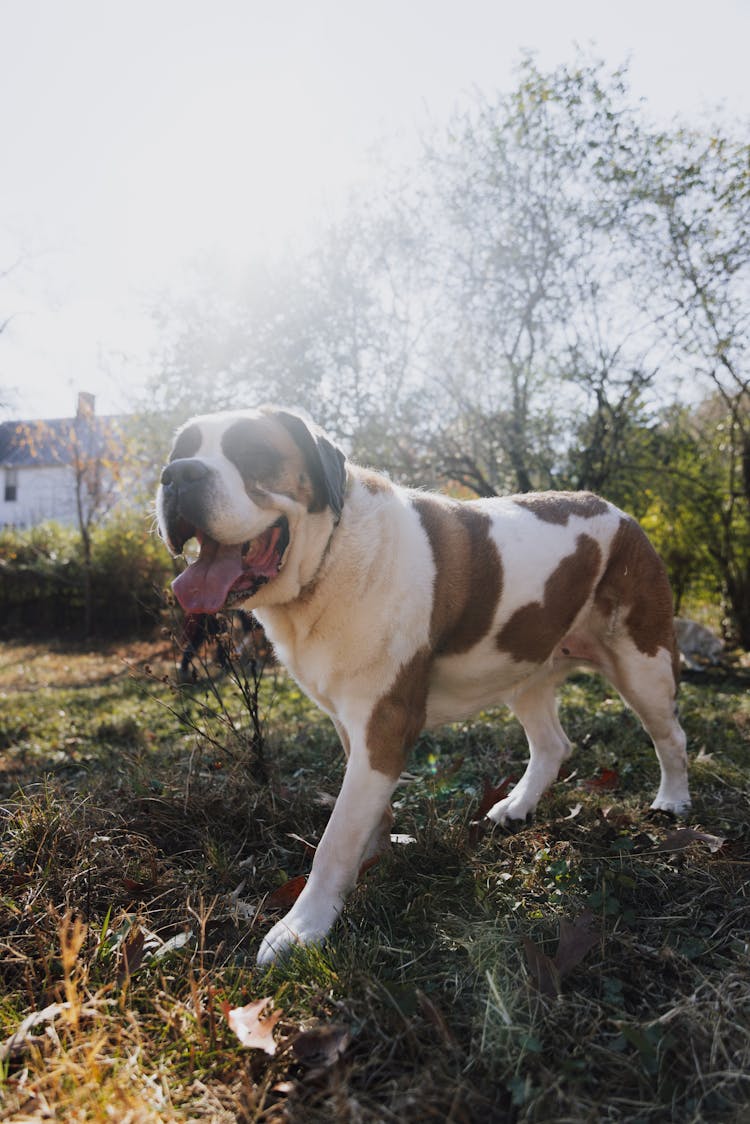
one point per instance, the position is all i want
(690, 222)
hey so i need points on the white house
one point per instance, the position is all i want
(46, 465)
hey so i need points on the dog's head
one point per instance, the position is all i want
(259, 490)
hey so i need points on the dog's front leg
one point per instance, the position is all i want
(361, 805)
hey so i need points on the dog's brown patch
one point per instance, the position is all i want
(557, 507)
(399, 716)
(635, 584)
(268, 459)
(531, 634)
(468, 573)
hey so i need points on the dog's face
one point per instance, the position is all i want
(249, 486)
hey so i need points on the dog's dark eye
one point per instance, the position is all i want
(254, 458)
(187, 444)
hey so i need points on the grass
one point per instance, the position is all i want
(141, 842)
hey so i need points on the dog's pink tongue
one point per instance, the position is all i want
(203, 587)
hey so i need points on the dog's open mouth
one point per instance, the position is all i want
(223, 575)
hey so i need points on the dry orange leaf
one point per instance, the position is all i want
(285, 896)
(253, 1024)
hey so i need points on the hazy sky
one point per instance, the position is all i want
(138, 133)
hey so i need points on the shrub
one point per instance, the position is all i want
(42, 578)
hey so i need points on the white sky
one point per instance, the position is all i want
(140, 132)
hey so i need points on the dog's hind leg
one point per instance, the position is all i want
(634, 625)
(648, 686)
(536, 710)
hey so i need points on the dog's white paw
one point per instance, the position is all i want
(677, 805)
(278, 943)
(512, 809)
(302, 926)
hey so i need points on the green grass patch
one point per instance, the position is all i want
(141, 839)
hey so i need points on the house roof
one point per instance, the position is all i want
(53, 442)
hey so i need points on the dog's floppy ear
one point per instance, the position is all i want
(325, 461)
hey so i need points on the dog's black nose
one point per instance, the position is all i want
(182, 472)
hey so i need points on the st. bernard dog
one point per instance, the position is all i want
(398, 610)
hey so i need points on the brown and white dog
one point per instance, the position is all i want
(397, 610)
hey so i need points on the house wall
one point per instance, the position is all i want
(42, 493)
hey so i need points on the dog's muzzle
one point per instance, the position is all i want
(185, 499)
(224, 573)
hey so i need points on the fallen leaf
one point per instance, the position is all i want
(542, 968)
(577, 938)
(369, 863)
(285, 896)
(616, 817)
(491, 794)
(135, 888)
(174, 944)
(434, 1015)
(606, 780)
(254, 1028)
(684, 836)
(131, 956)
(480, 825)
(18, 878)
(138, 888)
(321, 1046)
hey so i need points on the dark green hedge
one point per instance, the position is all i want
(42, 579)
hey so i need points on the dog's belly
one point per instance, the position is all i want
(460, 685)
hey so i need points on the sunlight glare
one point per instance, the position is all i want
(242, 172)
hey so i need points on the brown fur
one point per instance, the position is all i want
(398, 717)
(282, 470)
(635, 585)
(557, 507)
(533, 631)
(468, 577)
